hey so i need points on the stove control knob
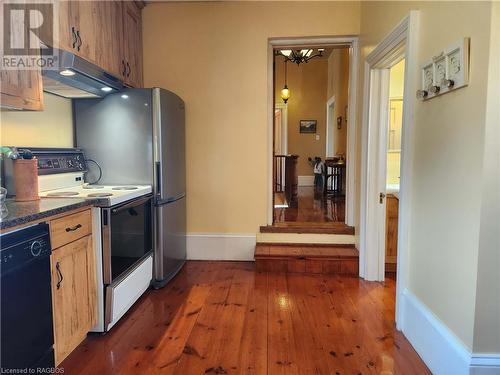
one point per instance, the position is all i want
(36, 248)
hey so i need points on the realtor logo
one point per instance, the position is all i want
(27, 36)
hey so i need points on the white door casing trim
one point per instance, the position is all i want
(284, 126)
(353, 43)
(400, 42)
(329, 127)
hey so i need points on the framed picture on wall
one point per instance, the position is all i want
(308, 126)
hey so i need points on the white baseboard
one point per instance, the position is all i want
(441, 350)
(214, 246)
(306, 180)
(438, 347)
(485, 364)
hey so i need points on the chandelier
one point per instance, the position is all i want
(299, 56)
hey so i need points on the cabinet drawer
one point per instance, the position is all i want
(70, 228)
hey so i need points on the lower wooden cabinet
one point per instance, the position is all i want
(73, 294)
(391, 228)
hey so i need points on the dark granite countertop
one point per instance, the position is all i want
(23, 212)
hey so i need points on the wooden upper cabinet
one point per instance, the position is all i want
(107, 33)
(132, 44)
(79, 28)
(108, 44)
(21, 89)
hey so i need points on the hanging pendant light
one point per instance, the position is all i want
(285, 91)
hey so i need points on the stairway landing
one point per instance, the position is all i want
(308, 227)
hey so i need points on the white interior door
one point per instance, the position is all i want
(281, 128)
(277, 132)
(374, 241)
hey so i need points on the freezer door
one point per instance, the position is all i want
(169, 153)
(170, 238)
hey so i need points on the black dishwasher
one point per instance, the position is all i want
(26, 304)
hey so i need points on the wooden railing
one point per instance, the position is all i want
(285, 176)
(279, 173)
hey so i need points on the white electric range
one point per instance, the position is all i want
(104, 195)
(122, 229)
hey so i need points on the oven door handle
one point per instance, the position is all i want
(134, 203)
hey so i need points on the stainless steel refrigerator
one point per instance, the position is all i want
(137, 136)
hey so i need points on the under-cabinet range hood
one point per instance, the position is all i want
(78, 78)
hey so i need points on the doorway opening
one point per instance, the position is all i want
(310, 181)
(386, 157)
(393, 165)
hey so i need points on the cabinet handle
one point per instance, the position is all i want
(79, 40)
(124, 72)
(72, 229)
(60, 277)
(73, 35)
(128, 66)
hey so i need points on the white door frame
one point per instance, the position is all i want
(329, 127)
(284, 127)
(400, 42)
(353, 43)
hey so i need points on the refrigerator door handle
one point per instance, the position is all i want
(158, 178)
(161, 202)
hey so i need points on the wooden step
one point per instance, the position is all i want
(306, 227)
(342, 260)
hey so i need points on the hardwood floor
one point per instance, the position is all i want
(226, 318)
(312, 208)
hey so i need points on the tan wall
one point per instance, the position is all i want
(307, 84)
(338, 87)
(52, 127)
(448, 144)
(215, 56)
(487, 314)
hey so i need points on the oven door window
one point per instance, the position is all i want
(131, 236)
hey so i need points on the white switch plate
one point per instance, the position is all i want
(317, 137)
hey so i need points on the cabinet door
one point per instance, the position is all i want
(108, 43)
(78, 28)
(132, 44)
(391, 239)
(72, 291)
(21, 89)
